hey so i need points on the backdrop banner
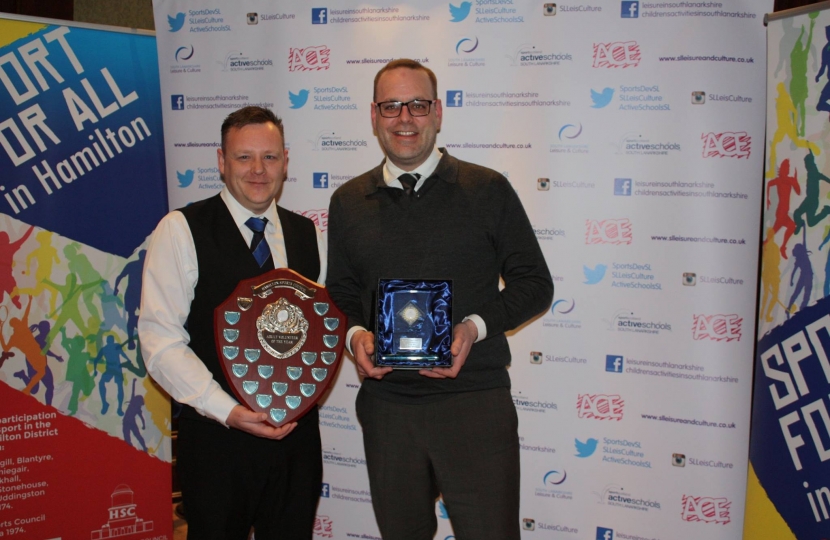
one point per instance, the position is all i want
(788, 495)
(633, 133)
(84, 434)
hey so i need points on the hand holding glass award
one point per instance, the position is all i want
(414, 323)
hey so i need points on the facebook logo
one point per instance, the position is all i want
(630, 9)
(605, 534)
(177, 101)
(622, 186)
(321, 180)
(319, 15)
(613, 363)
(324, 492)
(455, 98)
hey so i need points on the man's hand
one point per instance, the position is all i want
(255, 424)
(363, 347)
(465, 334)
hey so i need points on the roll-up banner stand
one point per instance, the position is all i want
(788, 494)
(84, 434)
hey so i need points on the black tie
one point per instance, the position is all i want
(259, 247)
(408, 182)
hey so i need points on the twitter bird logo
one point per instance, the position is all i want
(460, 13)
(601, 99)
(298, 99)
(585, 449)
(594, 275)
(176, 22)
(185, 178)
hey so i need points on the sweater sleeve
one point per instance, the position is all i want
(528, 287)
(342, 280)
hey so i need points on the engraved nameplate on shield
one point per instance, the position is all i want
(278, 324)
(414, 323)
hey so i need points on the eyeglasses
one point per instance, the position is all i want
(416, 107)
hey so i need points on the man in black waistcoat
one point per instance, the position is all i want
(423, 214)
(236, 471)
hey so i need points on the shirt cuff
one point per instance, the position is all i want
(349, 335)
(218, 405)
(480, 326)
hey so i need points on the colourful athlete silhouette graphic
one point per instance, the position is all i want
(786, 118)
(112, 353)
(770, 275)
(798, 70)
(804, 286)
(77, 370)
(784, 185)
(134, 412)
(809, 207)
(7, 251)
(45, 255)
(40, 331)
(87, 274)
(24, 340)
(132, 295)
(823, 104)
(69, 310)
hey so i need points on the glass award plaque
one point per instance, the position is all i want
(414, 323)
(280, 339)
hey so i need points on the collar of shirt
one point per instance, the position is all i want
(240, 215)
(391, 172)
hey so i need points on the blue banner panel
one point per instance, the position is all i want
(81, 135)
(790, 414)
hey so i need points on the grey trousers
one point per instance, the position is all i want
(465, 447)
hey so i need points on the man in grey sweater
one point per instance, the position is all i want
(422, 214)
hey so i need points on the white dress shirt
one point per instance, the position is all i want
(391, 173)
(171, 271)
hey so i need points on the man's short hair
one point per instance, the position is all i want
(250, 115)
(407, 64)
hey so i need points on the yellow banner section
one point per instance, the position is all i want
(11, 31)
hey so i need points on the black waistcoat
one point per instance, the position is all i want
(224, 260)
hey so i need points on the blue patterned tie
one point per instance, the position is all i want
(259, 247)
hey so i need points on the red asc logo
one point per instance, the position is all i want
(600, 406)
(734, 144)
(319, 217)
(608, 231)
(717, 327)
(619, 54)
(323, 527)
(706, 509)
(309, 59)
